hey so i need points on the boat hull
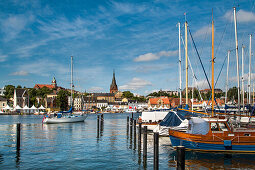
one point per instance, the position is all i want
(68, 119)
(210, 147)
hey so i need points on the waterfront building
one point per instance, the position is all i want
(172, 92)
(89, 102)
(51, 102)
(109, 97)
(113, 87)
(102, 104)
(3, 103)
(159, 101)
(2, 90)
(20, 97)
(52, 86)
(78, 102)
(216, 91)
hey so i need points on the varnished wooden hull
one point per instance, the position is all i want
(214, 143)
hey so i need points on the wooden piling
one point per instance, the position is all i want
(139, 137)
(180, 158)
(145, 143)
(18, 136)
(98, 125)
(127, 126)
(134, 127)
(156, 150)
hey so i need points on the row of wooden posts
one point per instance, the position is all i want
(131, 124)
(180, 149)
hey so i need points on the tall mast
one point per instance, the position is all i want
(212, 67)
(71, 81)
(180, 65)
(250, 73)
(186, 56)
(237, 62)
(227, 79)
(243, 75)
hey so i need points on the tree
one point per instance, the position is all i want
(9, 91)
(19, 87)
(233, 93)
(62, 100)
(127, 94)
(159, 93)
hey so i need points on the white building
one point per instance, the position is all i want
(102, 103)
(2, 90)
(20, 97)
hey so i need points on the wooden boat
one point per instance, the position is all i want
(214, 134)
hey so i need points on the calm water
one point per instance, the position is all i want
(77, 146)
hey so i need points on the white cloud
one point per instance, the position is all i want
(15, 24)
(135, 83)
(128, 8)
(242, 16)
(202, 84)
(19, 73)
(3, 58)
(156, 56)
(95, 89)
(205, 30)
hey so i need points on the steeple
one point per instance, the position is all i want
(113, 87)
(54, 82)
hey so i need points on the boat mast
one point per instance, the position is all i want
(71, 81)
(212, 66)
(186, 56)
(243, 75)
(180, 65)
(250, 73)
(227, 79)
(237, 62)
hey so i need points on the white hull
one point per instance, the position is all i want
(65, 119)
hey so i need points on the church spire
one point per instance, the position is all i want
(113, 87)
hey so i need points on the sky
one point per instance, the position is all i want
(138, 39)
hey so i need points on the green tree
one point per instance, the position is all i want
(19, 87)
(233, 93)
(62, 100)
(9, 91)
(159, 93)
(43, 92)
(127, 94)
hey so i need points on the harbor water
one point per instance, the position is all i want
(79, 146)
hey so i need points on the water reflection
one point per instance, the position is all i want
(201, 160)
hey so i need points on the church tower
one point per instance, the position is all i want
(113, 87)
(54, 83)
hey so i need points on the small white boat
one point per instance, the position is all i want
(65, 118)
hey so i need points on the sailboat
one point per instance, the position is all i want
(215, 133)
(66, 116)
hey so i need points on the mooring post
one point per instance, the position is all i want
(156, 146)
(145, 142)
(132, 115)
(134, 127)
(127, 125)
(102, 117)
(180, 158)
(131, 130)
(139, 136)
(18, 136)
(98, 124)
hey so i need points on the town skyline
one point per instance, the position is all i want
(137, 39)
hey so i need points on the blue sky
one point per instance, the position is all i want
(139, 39)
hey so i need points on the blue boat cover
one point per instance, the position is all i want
(69, 111)
(172, 119)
